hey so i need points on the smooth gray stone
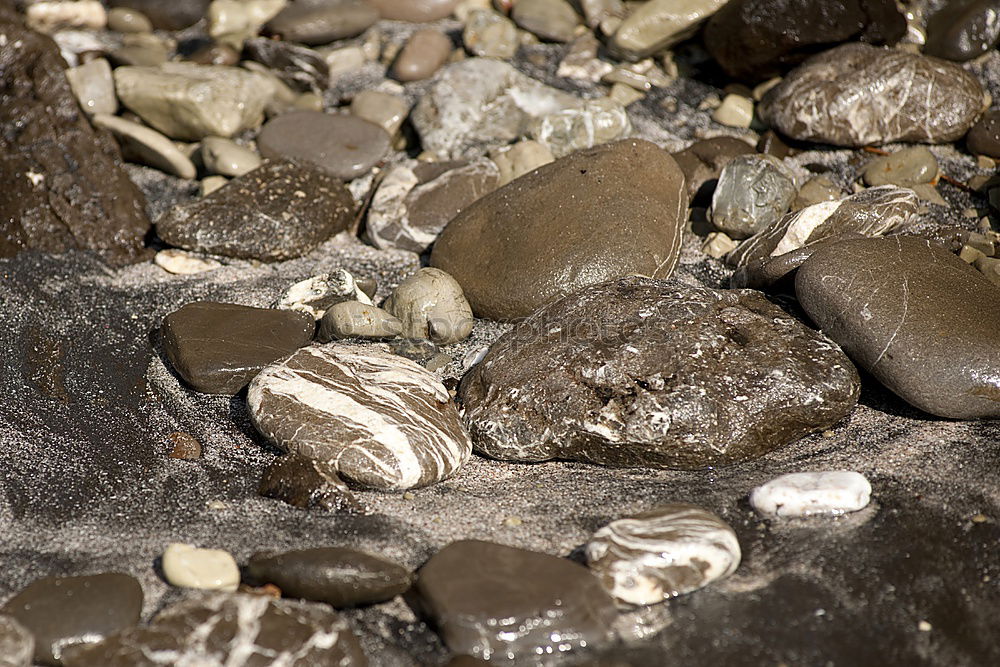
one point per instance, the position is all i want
(415, 11)
(94, 86)
(424, 54)
(344, 146)
(430, 304)
(316, 22)
(906, 167)
(753, 192)
(352, 319)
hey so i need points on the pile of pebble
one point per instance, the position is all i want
(527, 204)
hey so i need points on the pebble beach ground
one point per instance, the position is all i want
(520, 412)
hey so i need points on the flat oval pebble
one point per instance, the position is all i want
(430, 304)
(621, 212)
(415, 11)
(187, 566)
(381, 420)
(94, 86)
(122, 19)
(857, 95)
(963, 29)
(800, 494)
(173, 15)
(344, 146)
(907, 167)
(501, 603)
(61, 612)
(915, 316)
(665, 552)
(147, 146)
(551, 20)
(352, 319)
(659, 24)
(17, 645)
(424, 53)
(691, 378)
(316, 22)
(337, 576)
(753, 192)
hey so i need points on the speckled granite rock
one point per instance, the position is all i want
(223, 629)
(640, 372)
(857, 95)
(381, 420)
(912, 314)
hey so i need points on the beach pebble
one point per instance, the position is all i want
(906, 167)
(351, 319)
(342, 145)
(693, 377)
(478, 592)
(141, 50)
(718, 245)
(337, 576)
(316, 22)
(232, 22)
(665, 552)
(659, 24)
(182, 262)
(188, 102)
(920, 99)
(173, 15)
(184, 446)
(187, 566)
(816, 191)
(210, 184)
(278, 211)
(913, 315)
(122, 19)
(800, 494)
(383, 109)
(518, 159)
(621, 212)
(490, 35)
(414, 11)
(217, 348)
(380, 420)
(218, 628)
(425, 52)
(48, 16)
(215, 54)
(550, 20)
(146, 146)
(753, 192)
(17, 645)
(94, 87)
(963, 30)
(308, 485)
(703, 161)
(416, 200)
(984, 137)
(735, 111)
(299, 67)
(60, 612)
(315, 295)
(578, 127)
(226, 157)
(430, 304)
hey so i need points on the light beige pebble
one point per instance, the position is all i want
(183, 263)
(384, 109)
(187, 566)
(233, 22)
(49, 17)
(718, 245)
(971, 255)
(343, 61)
(122, 19)
(735, 111)
(210, 184)
(431, 305)
(625, 95)
(466, 7)
(517, 160)
(226, 157)
(425, 52)
(94, 87)
(907, 167)
(490, 35)
(147, 146)
(353, 319)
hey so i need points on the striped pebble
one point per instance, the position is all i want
(810, 493)
(379, 419)
(662, 553)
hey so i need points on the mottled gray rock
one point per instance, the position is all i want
(920, 320)
(379, 419)
(552, 20)
(490, 35)
(703, 161)
(857, 95)
(963, 29)
(62, 611)
(594, 122)
(94, 86)
(659, 24)
(416, 200)
(351, 319)
(308, 485)
(227, 629)
(17, 645)
(277, 211)
(907, 167)
(425, 52)
(479, 103)
(662, 553)
(226, 157)
(621, 211)
(315, 22)
(430, 304)
(501, 603)
(146, 146)
(753, 192)
(774, 252)
(315, 295)
(640, 372)
(415, 11)
(344, 146)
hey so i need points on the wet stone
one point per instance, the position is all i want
(275, 212)
(816, 191)
(173, 15)
(632, 189)
(984, 137)
(307, 484)
(315, 22)
(63, 611)
(665, 552)
(490, 35)
(187, 566)
(703, 161)
(424, 53)
(501, 603)
(217, 348)
(920, 99)
(344, 146)
(590, 124)
(184, 446)
(906, 167)
(351, 319)
(660, 24)
(337, 576)
(550, 20)
(812, 493)
(913, 315)
(963, 29)
(214, 628)
(380, 420)
(414, 11)
(753, 192)
(430, 305)
(315, 295)
(692, 378)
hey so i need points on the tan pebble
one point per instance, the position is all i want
(121, 19)
(984, 162)
(210, 184)
(970, 255)
(187, 566)
(718, 245)
(184, 446)
(425, 52)
(625, 95)
(761, 88)
(512, 521)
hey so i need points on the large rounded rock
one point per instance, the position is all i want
(380, 419)
(597, 214)
(858, 95)
(912, 314)
(640, 372)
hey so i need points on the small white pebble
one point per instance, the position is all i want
(512, 521)
(187, 566)
(924, 626)
(735, 111)
(216, 505)
(181, 262)
(811, 493)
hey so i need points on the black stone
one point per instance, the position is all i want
(984, 137)
(963, 29)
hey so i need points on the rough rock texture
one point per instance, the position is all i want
(501, 603)
(275, 212)
(230, 629)
(963, 29)
(618, 210)
(217, 348)
(307, 484)
(17, 645)
(640, 372)
(857, 95)
(662, 553)
(62, 611)
(755, 39)
(593, 122)
(63, 183)
(381, 420)
(753, 192)
(337, 576)
(916, 317)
